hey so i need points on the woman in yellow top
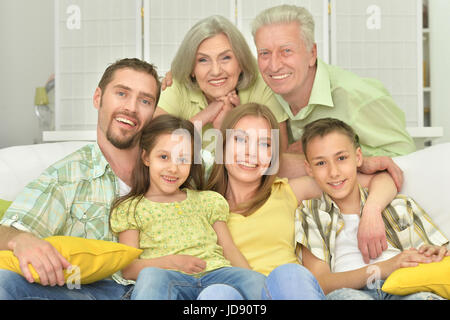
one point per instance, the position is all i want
(262, 206)
(212, 72)
(182, 231)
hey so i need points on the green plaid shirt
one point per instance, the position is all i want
(72, 197)
(319, 221)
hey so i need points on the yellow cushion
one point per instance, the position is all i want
(3, 206)
(430, 277)
(96, 259)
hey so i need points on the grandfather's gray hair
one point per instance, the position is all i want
(287, 14)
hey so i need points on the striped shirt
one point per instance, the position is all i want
(319, 221)
(72, 197)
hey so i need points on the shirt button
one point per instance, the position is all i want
(84, 216)
(15, 217)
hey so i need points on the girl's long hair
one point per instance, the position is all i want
(164, 124)
(218, 179)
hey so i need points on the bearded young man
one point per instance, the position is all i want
(73, 196)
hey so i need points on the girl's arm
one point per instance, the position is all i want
(305, 188)
(185, 263)
(230, 251)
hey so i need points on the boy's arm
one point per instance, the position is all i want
(358, 278)
(185, 263)
(329, 281)
(371, 232)
(230, 251)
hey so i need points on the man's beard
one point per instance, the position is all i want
(121, 142)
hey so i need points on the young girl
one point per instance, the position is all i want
(183, 232)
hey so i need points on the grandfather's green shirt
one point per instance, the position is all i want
(72, 197)
(362, 103)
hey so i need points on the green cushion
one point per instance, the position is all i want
(3, 206)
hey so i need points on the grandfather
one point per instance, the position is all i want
(310, 89)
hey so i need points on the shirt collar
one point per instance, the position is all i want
(197, 97)
(100, 164)
(320, 93)
(331, 206)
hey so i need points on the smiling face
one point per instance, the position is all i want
(169, 164)
(285, 63)
(125, 106)
(216, 67)
(249, 150)
(333, 162)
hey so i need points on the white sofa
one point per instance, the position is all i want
(426, 173)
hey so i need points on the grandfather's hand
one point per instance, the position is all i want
(46, 260)
(371, 234)
(372, 165)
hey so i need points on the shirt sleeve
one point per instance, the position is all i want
(381, 128)
(123, 217)
(216, 207)
(171, 100)
(308, 232)
(418, 228)
(41, 208)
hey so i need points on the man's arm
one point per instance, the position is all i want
(29, 249)
(27, 220)
(6, 235)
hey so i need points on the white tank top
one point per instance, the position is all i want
(347, 254)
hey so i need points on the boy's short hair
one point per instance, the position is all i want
(325, 126)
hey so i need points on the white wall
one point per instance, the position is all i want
(440, 65)
(26, 62)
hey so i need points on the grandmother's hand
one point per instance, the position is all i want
(166, 81)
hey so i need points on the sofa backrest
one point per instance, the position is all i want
(21, 164)
(426, 174)
(427, 181)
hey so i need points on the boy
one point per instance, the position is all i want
(326, 228)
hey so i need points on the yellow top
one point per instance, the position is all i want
(267, 237)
